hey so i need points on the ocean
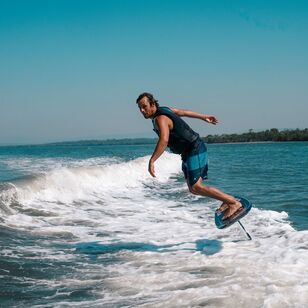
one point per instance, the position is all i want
(85, 225)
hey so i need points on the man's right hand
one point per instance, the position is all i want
(151, 168)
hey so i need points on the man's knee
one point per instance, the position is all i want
(196, 188)
(192, 190)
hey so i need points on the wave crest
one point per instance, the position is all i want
(69, 184)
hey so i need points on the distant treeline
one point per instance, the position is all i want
(268, 135)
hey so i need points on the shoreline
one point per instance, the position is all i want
(267, 136)
(122, 142)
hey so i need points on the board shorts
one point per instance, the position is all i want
(195, 163)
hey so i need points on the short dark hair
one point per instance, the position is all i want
(149, 96)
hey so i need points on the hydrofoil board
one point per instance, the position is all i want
(243, 211)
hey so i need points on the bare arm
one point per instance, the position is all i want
(192, 114)
(163, 124)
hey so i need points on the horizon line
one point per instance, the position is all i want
(76, 140)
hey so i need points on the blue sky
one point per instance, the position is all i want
(72, 70)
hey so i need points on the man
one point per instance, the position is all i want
(181, 139)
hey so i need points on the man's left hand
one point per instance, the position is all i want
(211, 119)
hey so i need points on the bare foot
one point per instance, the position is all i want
(223, 207)
(232, 209)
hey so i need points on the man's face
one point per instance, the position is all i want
(146, 108)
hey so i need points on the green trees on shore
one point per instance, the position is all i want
(268, 135)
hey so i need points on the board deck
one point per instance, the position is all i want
(221, 224)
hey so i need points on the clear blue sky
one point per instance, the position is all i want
(73, 69)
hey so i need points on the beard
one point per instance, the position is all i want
(146, 116)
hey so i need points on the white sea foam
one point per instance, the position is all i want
(58, 191)
(167, 250)
(30, 165)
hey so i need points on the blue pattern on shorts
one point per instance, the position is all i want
(195, 164)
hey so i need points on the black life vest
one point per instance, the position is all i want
(182, 138)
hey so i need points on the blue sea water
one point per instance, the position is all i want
(85, 225)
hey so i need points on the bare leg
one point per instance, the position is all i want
(229, 202)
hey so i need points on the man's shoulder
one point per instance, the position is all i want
(162, 117)
(165, 110)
